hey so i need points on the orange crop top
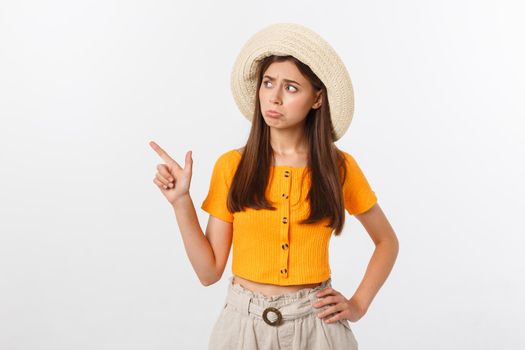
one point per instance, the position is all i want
(268, 245)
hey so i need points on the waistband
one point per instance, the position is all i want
(274, 309)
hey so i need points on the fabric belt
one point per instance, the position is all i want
(272, 315)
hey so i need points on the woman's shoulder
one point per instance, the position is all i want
(230, 157)
(346, 155)
(350, 160)
(235, 153)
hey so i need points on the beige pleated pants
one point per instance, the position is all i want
(251, 320)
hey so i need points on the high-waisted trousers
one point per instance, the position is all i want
(252, 320)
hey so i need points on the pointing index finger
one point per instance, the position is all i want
(162, 153)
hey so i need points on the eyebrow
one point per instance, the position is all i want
(287, 80)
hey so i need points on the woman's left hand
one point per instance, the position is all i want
(343, 308)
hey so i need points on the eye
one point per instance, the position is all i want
(288, 86)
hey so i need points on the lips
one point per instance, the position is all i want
(273, 113)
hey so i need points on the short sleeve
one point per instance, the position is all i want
(358, 194)
(215, 201)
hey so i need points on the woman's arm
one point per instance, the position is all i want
(383, 258)
(200, 248)
(208, 253)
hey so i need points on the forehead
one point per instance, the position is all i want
(285, 70)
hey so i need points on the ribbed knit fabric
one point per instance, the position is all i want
(270, 246)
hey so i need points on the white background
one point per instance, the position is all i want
(90, 252)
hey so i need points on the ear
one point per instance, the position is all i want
(318, 100)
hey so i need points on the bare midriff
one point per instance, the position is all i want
(270, 289)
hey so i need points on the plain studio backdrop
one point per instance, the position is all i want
(90, 252)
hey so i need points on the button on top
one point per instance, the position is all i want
(286, 173)
(285, 220)
(285, 196)
(284, 246)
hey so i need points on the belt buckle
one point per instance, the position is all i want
(265, 317)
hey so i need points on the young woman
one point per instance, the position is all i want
(279, 198)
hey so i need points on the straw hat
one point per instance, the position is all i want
(310, 48)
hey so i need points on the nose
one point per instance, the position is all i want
(275, 96)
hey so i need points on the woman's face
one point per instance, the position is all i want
(285, 90)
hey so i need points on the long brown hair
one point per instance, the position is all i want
(326, 163)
